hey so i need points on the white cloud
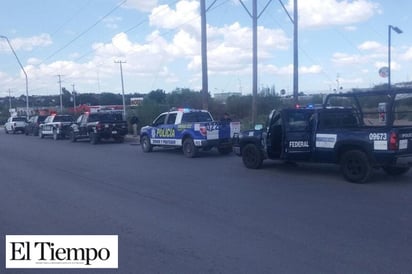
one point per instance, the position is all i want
(319, 13)
(185, 16)
(288, 70)
(371, 45)
(27, 43)
(141, 5)
(111, 22)
(394, 65)
(345, 59)
(408, 54)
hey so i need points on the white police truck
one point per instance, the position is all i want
(190, 129)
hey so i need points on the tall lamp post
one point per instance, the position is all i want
(25, 74)
(399, 31)
(121, 79)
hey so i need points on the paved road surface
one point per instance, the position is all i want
(204, 215)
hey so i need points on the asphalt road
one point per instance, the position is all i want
(204, 215)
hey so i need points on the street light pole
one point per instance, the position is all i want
(121, 78)
(74, 100)
(24, 71)
(399, 31)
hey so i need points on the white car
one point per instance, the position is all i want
(15, 124)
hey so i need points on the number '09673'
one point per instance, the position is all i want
(378, 136)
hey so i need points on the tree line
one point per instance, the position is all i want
(155, 102)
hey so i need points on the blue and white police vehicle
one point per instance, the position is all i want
(190, 129)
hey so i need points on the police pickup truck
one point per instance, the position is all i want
(56, 125)
(99, 125)
(190, 129)
(359, 131)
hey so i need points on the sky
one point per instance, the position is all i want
(342, 45)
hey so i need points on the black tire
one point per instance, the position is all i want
(189, 148)
(41, 136)
(26, 133)
(73, 137)
(55, 135)
(252, 156)
(355, 166)
(395, 171)
(224, 150)
(5, 130)
(35, 132)
(93, 138)
(145, 143)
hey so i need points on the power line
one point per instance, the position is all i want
(85, 31)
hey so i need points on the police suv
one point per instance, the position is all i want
(56, 125)
(359, 131)
(190, 129)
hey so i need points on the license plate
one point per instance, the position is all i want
(114, 132)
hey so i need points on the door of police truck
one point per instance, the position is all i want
(297, 144)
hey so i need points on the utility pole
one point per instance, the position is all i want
(74, 99)
(255, 16)
(294, 21)
(203, 29)
(121, 78)
(9, 99)
(24, 71)
(60, 89)
(295, 53)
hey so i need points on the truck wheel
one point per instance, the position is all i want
(41, 134)
(145, 143)
(395, 171)
(73, 136)
(355, 166)
(93, 138)
(252, 157)
(5, 130)
(224, 150)
(189, 148)
(55, 135)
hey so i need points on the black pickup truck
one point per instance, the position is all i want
(99, 125)
(359, 131)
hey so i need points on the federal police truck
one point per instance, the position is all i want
(359, 131)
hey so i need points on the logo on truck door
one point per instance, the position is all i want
(298, 144)
(165, 132)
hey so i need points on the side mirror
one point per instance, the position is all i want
(258, 127)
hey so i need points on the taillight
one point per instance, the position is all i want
(393, 141)
(203, 131)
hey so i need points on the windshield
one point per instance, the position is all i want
(106, 117)
(196, 116)
(19, 119)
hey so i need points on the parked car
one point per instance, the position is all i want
(32, 126)
(98, 126)
(15, 124)
(57, 126)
